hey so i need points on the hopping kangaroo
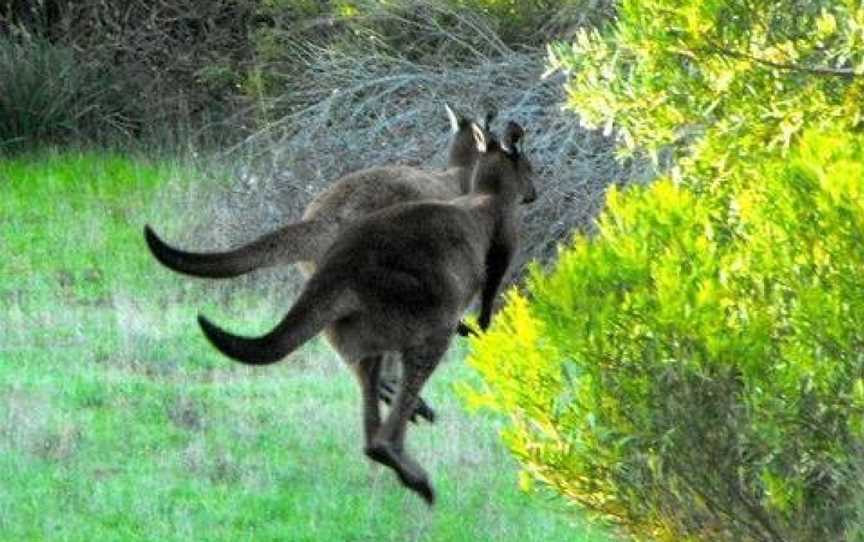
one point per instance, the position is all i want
(399, 280)
(350, 198)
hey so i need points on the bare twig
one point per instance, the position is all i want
(350, 111)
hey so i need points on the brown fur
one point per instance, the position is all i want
(399, 280)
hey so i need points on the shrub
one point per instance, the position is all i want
(668, 74)
(694, 377)
(47, 94)
(536, 21)
(174, 68)
(517, 22)
(695, 370)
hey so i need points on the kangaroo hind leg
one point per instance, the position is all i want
(367, 371)
(387, 447)
(388, 384)
(344, 340)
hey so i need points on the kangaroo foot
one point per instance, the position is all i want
(463, 330)
(424, 411)
(416, 481)
(386, 393)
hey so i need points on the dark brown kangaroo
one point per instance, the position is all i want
(399, 280)
(350, 198)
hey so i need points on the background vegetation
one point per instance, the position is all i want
(278, 88)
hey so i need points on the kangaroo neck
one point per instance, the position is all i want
(491, 213)
(462, 175)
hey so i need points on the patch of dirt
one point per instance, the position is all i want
(187, 414)
(29, 421)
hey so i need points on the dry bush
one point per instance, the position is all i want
(365, 105)
(205, 71)
(48, 94)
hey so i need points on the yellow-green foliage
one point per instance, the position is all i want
(696, 377)
(669, 71)
(695, 370)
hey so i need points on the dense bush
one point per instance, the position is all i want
(47, 93)
(692, 376)
(433, 32)
(695, 371)
(525, 22)
(171, 68)
(214, 70)
(668, 75)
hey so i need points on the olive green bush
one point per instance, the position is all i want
(434, 32)
(669, 75)
(694, 371)
(525, 22)
(537, 21)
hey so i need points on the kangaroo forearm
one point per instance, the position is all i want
(486, 309)
(497, 262)
(490, 292)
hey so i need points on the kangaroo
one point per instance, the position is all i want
(350, 198)
(399, 280)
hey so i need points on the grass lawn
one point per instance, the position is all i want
(119, 422)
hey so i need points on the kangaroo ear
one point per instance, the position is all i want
(491, 113)
(512, 134)
(454, 120)
(479, 137)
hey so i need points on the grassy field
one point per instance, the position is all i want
(119, 422)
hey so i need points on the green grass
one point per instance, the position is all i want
(119, 422)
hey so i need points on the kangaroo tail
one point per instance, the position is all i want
(298, 242)
(316, 308)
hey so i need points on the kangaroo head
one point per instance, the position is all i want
(501, 167)
(463, 150)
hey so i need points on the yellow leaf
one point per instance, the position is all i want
(722, 80)
(526, 482)
(826, 24)
(858, 392)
